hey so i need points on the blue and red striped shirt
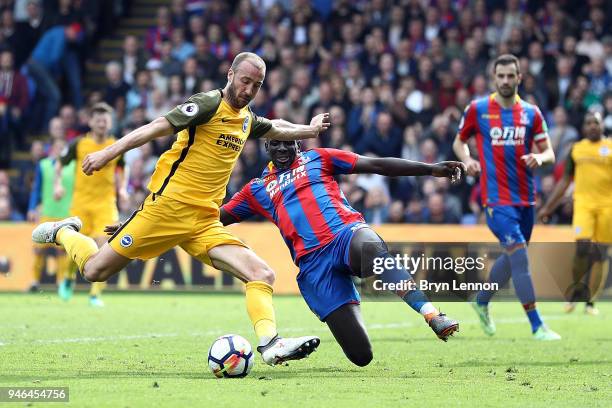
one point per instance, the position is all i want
(304, 201)
(503, 136)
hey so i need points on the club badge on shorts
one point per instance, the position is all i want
(126, 241)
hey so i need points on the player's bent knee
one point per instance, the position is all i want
(94, 272)
(360, 358)
(263, 274)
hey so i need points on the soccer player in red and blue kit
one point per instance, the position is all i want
(329, 240)
(508, 130)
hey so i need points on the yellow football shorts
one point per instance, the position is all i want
(592, 223)
(95, 218)
(162, 223)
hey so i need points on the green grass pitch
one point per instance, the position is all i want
(149, 350)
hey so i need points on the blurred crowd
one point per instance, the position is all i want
(394, 74)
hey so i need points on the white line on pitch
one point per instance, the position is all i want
(145, 336)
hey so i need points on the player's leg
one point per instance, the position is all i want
(243, 263)
(580, 269)
(346, 324)
(37, 267)
(95, 291)
(65, 287)
(366, 246)
(521, 275)
(95, 265)
(583, 223)
(99, 217)
(599, 257)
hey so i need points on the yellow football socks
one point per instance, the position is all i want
(78, 246)
(96, 288)
(261, 310)
(71, 269)
(599, 276)
(39, 263)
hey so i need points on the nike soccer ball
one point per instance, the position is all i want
(230, 356)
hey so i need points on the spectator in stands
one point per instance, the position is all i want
(396, 214)
(14, 98)
(133, 59)
(600, 78)
(181, 48)
(589, 45)
(436, 213)
(562, 134)
(191, 76)
(56, 132)
(69, 120)
(162, 31)
(30, 30)
(383, 140)
(140, 94)
(47, 61)
(116, 85)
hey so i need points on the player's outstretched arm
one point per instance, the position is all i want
(394, 167)
(283, 130)
(157, 128)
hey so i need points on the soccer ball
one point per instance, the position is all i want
(230, 356)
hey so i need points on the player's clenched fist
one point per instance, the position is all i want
(95, 161)
(532, 160)
(450, 169)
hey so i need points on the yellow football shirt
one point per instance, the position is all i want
(211, 134)
(97, 190)
(591, 165)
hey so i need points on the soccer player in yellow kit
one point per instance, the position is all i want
(94, 200)
(44, 207)
(590, 165)
(187, 188)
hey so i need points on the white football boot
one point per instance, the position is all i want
(280, 349)
(45, 233)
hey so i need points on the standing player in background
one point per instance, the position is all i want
(44, 207)
(188, 186)
(95, 198)
(507, 131)
(329, 241)
(589, 164)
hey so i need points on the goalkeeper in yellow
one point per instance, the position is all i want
(94, 200)
(590, 165)
(187, 189)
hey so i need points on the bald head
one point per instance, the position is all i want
(250, 58)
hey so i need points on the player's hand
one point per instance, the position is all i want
(544, 214)
(321, 122)
(473, 167)
(58, 192)
(111, 229)
(532, 160)
(450, 169)
(95, 161)
(33, 216)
